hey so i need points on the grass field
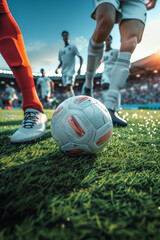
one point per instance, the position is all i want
(115, 194)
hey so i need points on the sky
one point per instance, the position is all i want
(41, 23)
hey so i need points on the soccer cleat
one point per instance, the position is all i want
(116, 119)
(87, 91)
(113, 95)
(33, 126)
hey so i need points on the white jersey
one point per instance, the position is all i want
(67, 57)
(44, 82)
(10, 92)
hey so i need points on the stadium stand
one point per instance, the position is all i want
(142, 89)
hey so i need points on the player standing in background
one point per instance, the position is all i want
(13, 51)
(67, 62)
(46, 85)
(8, 96)
(131, 16)
(109, 58)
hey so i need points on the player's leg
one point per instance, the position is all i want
(105, 17)
(69, 91)
(105, 82)
(47, 99)
(87, 91)
(70, 83)
(5, 103)
(105, 87)
(13, 50)
(45, 95)
(64, 85)
(131, 34)
(47, 102)
(10, 105)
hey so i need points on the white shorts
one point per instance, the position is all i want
(126, 9)
(68, 80)
(45, 93)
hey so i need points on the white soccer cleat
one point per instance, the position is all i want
(33, 126)
(113, 94)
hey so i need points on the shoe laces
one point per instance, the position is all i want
(30, 119)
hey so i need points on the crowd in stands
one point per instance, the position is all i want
(138, 90)
(16, 103)
(142, 90)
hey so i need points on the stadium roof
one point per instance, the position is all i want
(150, 63)
(8, 74)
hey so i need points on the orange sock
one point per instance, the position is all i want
(13, 50)
(10, 103)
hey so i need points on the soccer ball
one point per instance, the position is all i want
(81, 125)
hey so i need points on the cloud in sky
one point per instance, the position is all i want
(81, 43)
(43, 55)
(40, 55)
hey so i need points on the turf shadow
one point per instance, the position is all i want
(11, 123)
(28, 188)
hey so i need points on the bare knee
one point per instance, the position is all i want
(103, 28)
(129, 45)
(104, 24)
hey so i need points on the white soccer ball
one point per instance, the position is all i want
(81, 125)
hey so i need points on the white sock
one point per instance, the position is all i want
(95, 54)
(104, 94)
(118, 79)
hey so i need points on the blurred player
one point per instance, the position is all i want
(109, 58)
(67, 62)
(131, 16)
(8, 96)
(13, 50)
(46, 87)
